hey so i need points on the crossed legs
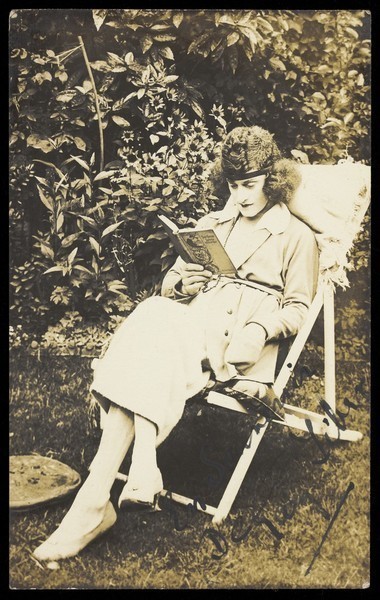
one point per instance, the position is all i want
(92, 512)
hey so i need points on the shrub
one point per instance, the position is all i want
(87, 182)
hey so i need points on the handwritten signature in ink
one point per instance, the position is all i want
(240, 532)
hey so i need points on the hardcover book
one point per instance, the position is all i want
(200, 246)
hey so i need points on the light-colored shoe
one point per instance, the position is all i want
(144, 495)
(57, 546)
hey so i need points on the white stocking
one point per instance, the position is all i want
(91, 500)
(144, 460)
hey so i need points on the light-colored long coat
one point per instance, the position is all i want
(153, 363)
(281, 254)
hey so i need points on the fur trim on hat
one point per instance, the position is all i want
(248, 149)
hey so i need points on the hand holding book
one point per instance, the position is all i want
(193, 278)
(199, 246)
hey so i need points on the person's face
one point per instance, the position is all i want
(248, 195)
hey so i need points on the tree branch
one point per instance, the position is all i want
(101, 138)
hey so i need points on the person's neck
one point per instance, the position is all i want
(256, 218)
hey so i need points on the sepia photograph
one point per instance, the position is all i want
(189, 298)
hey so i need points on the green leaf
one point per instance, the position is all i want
(167, 52)
(78, 160)
(118, 68)
(352, 32)
(60, 220)
(329, 125)
(129, 58)
(160, 27)
(164, 37)
(154, 139)
(95, 265)
(167, 190)
(323, 69)
(66, 96)
(104, 175)
(177, 19)
(45, 200)
(302, 157)
(146, 42)
(233, 60)
(94, 245)
(68, 240)
(115, 59)
(123, 101)
(347, 118)
(37, 142)
(265, 25)
(232, 38)
(111, 228)
(170, 78)
(116, 286)
(277, 64)
(197, 43)
(197, 108)
(101, 65)
(99, 14)
(160, 235)
(72, 255)
(360, 80)
(120, 121)
(47, 251)
(80, 144)
(227, 19)
(88, 220)
(319, 96)
(82, 268)
(55, 269)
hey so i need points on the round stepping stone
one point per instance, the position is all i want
(38, 480)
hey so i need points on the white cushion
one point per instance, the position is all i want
(332, 200)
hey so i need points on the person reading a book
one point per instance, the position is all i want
(204, 328)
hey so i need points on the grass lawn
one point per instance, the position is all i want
(286, 504)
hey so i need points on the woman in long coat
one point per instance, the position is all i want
(200, 328)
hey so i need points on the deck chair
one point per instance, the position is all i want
(332, 200)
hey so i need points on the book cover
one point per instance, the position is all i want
(201, 246)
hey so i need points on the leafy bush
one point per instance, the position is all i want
(137, 102)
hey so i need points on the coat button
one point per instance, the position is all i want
(229, 312)
(237, 285)
(226, 332)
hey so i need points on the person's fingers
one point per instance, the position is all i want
(205, 275)
(189, 280)
(192, 267)
(193, 287)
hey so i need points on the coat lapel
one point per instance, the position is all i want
(273, 222)
(242, 252)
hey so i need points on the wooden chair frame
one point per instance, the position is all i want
(296, 417)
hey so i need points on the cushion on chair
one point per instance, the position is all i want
(332, 200)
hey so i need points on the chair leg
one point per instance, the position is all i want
(329, 341)
(240, 471)
(298, 418)
(184, 500)
(103, 415)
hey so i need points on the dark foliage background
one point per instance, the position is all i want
(117, 114)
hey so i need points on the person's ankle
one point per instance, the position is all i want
(142, 473)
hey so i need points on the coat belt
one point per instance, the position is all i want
(228, 280)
